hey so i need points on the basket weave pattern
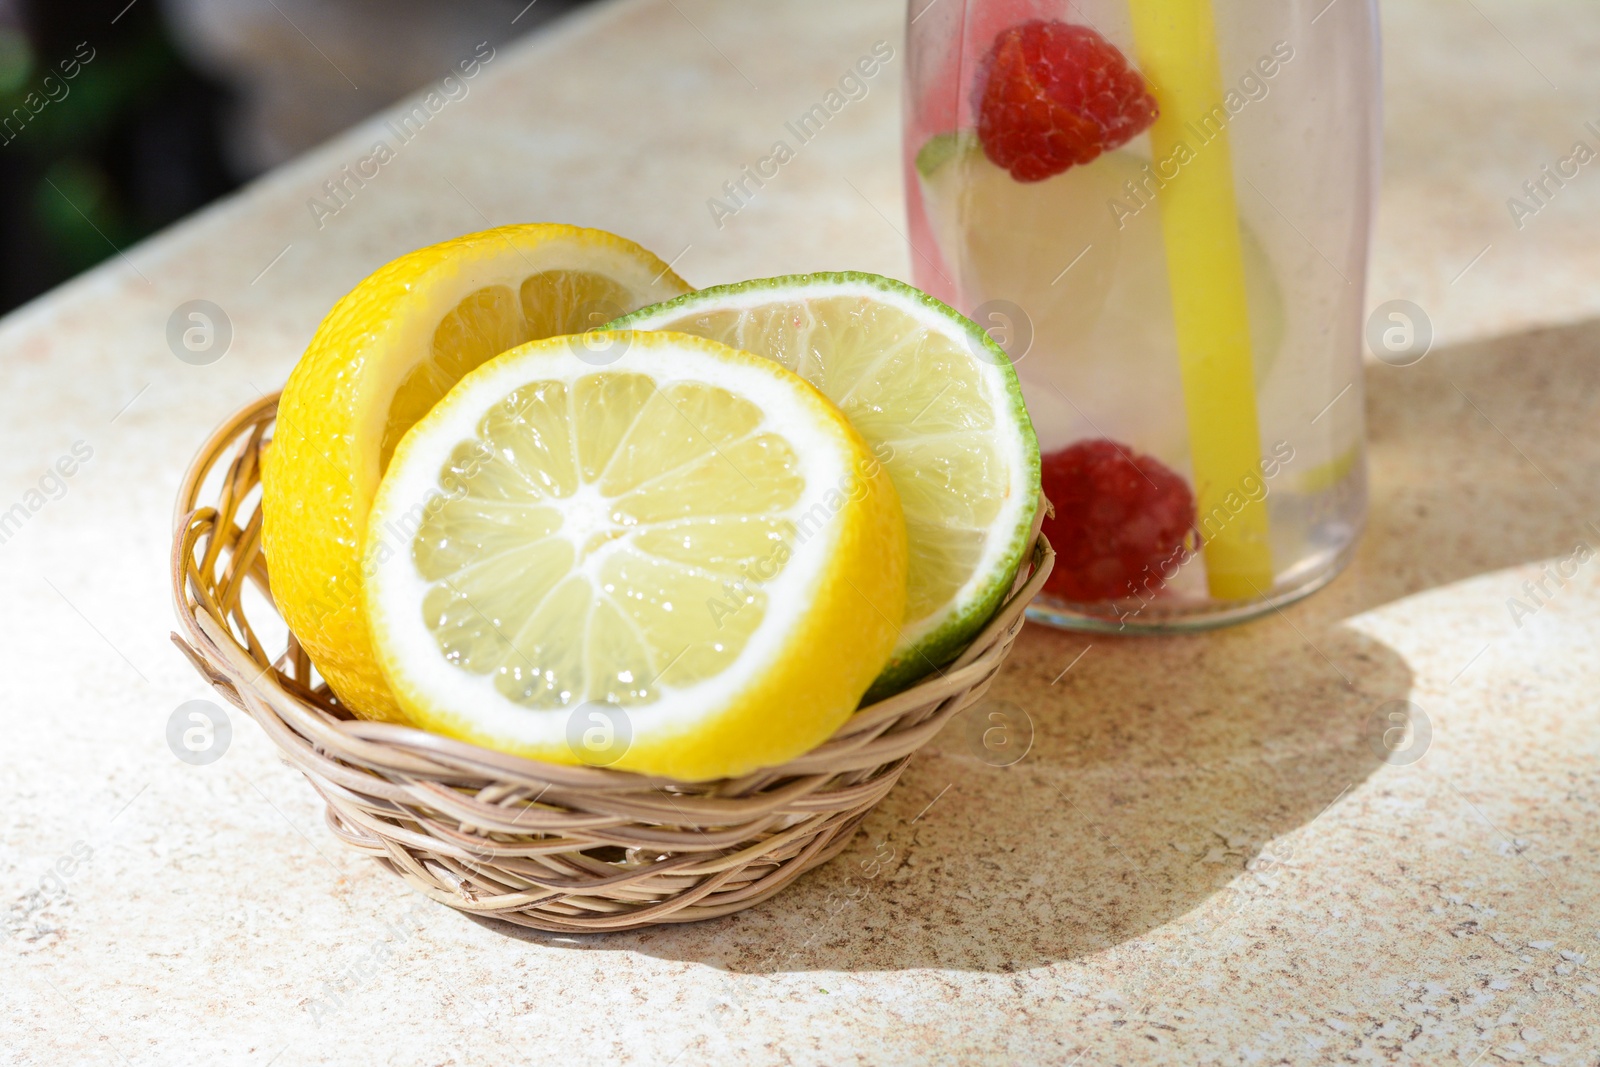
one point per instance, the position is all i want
(564, 849)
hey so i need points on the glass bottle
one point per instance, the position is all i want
(1161, 209)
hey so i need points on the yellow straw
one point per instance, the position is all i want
(1177, 42)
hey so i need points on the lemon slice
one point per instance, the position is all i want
(940, 405)
(383, 356)
(647, 551)
(1083, 255)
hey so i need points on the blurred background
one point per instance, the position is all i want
(119, 117)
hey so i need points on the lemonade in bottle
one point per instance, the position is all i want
(1161, 210)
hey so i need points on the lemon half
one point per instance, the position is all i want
(641, 550)
(383, 356)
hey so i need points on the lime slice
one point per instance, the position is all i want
(940, 405)
(943, 147)
(647, 551)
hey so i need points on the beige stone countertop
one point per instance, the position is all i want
(1201, 859)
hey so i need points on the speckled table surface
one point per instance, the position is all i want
(1201, 860)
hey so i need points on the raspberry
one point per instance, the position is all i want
(1120, 518)
(1051, 95)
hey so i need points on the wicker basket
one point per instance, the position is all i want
(564, 849)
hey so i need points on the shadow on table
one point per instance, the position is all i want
(1162, 768)
(1473, 464)
(1146, 790)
